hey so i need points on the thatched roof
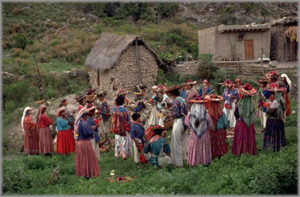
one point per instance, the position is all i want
(107, 50)
(285, 21)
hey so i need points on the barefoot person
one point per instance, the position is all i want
(45, 138)
(31, 136)
(86, 163)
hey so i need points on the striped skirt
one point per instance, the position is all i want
(45, 141)
(199, 149)
(274, 135)
(86, 163)
(31, 141)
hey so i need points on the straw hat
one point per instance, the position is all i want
(191, 82)
(214, 98)
(247, 89)
(175, 87)
(198, 99)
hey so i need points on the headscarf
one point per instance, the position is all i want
(39, 114)
(287, 79)
(23, 117)
(215, 111)
(197, 119)
(78, 118)
(60, 110)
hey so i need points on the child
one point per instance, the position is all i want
(137, 133)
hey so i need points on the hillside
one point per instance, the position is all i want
(60, 35)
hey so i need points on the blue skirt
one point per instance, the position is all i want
(274, 135)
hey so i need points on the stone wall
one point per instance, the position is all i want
(226, 41)
(125, 74)
(206, 40)
(187, 68)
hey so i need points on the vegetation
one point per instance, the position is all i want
(266, 173)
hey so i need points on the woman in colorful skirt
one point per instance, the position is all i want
(65, 140)
(45, 138)
(218, 139)
(86, 163)
(121, 127)
(31, 135)
(287, 84)
(244, 133)
(199, 147)
(274, 135)
(179, 138)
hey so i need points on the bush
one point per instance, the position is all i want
(21, 41)
(206, 69)
(166, 10)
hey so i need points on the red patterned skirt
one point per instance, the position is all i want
(45, 141)
(65, 142)
(287, 104)
(86, 163)
(219, 145)
(31, 141)
(243, 139)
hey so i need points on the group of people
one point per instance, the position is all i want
(201, 122)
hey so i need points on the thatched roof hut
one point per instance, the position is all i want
(121, 62)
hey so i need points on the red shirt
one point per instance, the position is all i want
(45, 121)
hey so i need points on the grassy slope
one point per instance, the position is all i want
(229, 175)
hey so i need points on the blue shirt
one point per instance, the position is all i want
(91, 122)
(85, 131)
(62, 124)
(183, 94)
(137, 131)
(207, 92)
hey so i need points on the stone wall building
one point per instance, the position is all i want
(283, 44)
(235, 42)
(121, 62)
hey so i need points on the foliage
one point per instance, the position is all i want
(166, 10)
(21, 41)
(265, 173)
(206, 69)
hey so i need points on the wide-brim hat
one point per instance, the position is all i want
(214, 98)
(228, 82)
(175, 87)
(80, 98)
(138, 93)
(274, 73)
(198, 99)
(205, 81)
(191, 82)
(263, 80)
(247, 90)
(237, 80)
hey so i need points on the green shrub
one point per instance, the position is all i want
(193, 48)
(206, 68)
(21, 41)
(166, 10)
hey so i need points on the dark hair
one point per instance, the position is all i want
(135, 116)
(175, 92)
(91, 112)
(158, 131)
(274, 78)
(62, 102)
(120, 100)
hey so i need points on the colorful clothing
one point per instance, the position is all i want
(65, 140)
(179, 138)
(86, 163)
(182, 94)
(31, 136)
(121, 128)
(157, 151)
(199, 147)
(261, 109)
(137, 131)
(104, 110)
(229, 105)
(96, 139)
(204, 90)
(274, 135)
(45, 138)
(244, 133)
(189, 95)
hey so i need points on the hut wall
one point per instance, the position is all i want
(226, 41)
(124, 75)
(278, 44)
(206, 41)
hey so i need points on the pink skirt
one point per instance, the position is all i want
(86, 163)
(243, 139)
(65, 142)
(45, 141)
(199, 149)
(31, 143)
